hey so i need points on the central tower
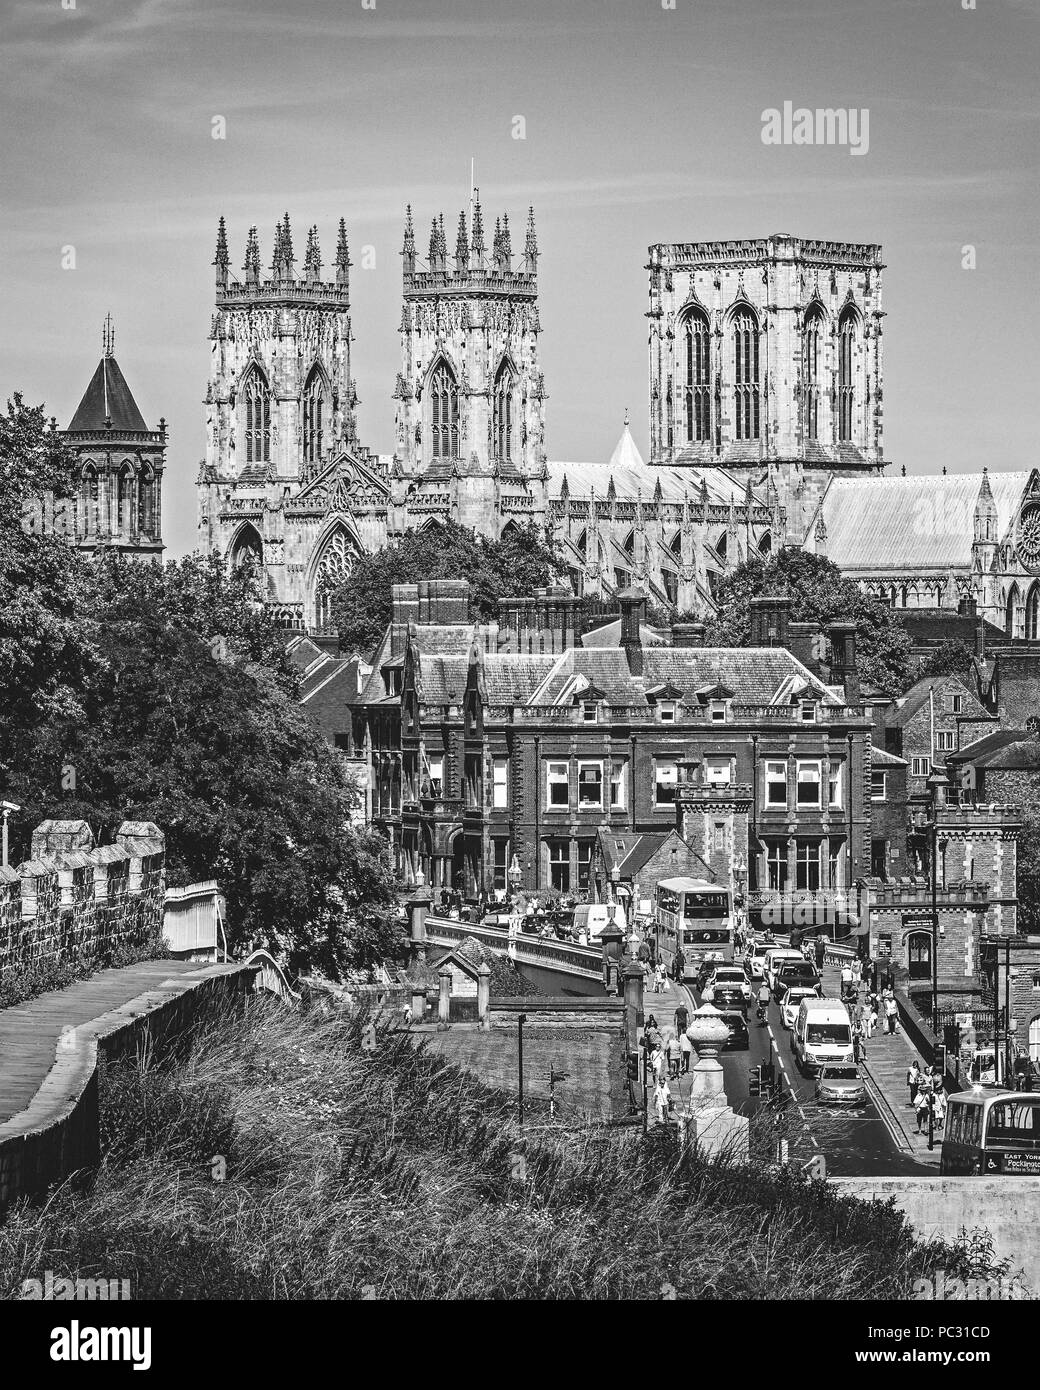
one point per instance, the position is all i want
(470, 418)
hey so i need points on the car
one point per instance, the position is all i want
(794, 973)
(791, 998)
(724, 996)
(756, 956)
(730, 975)
(739, 1039)
(839, 1083)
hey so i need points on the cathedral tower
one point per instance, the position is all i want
(470, 420)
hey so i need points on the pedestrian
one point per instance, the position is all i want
(662, 1096)
(687, 1051)
(872, 1017)
(891, 1013)
(674, 1055)
(820, 954)
(659, 1062)
(659, 979)
(680, 965)
(924, 1101)
(857, 1047)
(940, 1109)
(913, 1080)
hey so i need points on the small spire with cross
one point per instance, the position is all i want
(108, 336)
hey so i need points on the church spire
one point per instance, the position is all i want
(461, 246)
(282, 264)
(222, 260)
(252, 265)
(531, 245)
(507, 241)
(108, 337)
(312, 261)
(476, 241)
(342, 255)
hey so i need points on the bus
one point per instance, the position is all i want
(695, 915)
(991, 1131)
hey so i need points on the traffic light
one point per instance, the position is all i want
(755, 1086)
(952, 1037)
(768, 1070)
(939, 1058)
(633, 1066)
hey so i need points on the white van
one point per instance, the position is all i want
(773, 957)
(822, 1033)
(591, 918)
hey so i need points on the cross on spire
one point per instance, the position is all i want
(108, 336)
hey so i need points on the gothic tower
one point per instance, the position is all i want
(285, 484)
(470, 420)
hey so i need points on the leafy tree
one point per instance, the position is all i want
(516, 564)
(819, 593)
(949, 658)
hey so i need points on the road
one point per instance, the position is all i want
(855, 1142)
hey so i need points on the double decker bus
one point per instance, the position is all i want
(991, 1131)
(695, 915)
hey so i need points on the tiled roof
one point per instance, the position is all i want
(631, 480)
(1007, 748)
(339, 670)
(447, 639)
(108, 398)
(917, 697)
(912, 523)
(881, 757)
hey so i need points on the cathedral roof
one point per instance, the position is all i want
(632, 479)
(626, 453)
(108, 398)
(903, 524)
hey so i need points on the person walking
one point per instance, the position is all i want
(681, 1019)
(891, 1013)
(680, 966)
(674, 1055)
(687, 1051)
(913, 1080)
(820, 952)
(924, 1101)
(940, 1109)
(662, 1096)
(659, 1062)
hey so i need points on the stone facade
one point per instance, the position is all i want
(72, 899)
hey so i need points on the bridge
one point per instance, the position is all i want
(561, 966)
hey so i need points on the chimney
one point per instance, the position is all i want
(770, 617)
(633, 612)
(687, 634)
(548, 622)
(805, 641)
(405, 600)
(443, 602)
(843, 660)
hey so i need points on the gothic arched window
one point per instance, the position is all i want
(502, 415)
(1011, 611)
(90, 499)
(124, 499)
(846, 374)
(314, 413)
(444, 412)
(145, 501)
(248, 550)
(337, 560)
(697, 391)
(258, 418)
(745, 374)
(812, 350)
(1033, 614)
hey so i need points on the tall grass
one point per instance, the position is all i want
(396, 1176)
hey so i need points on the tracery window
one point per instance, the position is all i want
(124, 499)
(314, 411)
(812, 347)
(337, 560)
(745, 374)
(258, 419)
(846, 377)
(697, 392)
(502, 414)
(444, 412)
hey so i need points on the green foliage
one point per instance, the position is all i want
(819, 593)
(517, 564)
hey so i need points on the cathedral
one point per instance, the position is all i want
(765, 395)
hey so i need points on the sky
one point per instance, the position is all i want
(643, 123)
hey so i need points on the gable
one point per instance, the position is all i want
(342, 485)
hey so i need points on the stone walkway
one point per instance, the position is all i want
(29, 1032)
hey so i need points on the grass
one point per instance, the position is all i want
(18, 984)
(277, 1159)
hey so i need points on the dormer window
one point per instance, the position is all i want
(808, 711)
(719, 711)
(666, 711)
(589, 711)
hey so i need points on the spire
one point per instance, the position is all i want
(276, 254)
(442, 242)
(433, 244)
(985, 512)
(282, 261)
(342, 255)
(496, 244)
(222, 260)
(408, 248)
(507, 241)
(252, 265)
(312, 261)
(476, 244)
(531, 246)
(461, 246)
(287, 251)
(108, 337)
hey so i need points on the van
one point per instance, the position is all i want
(591, 918)
(755, 958)
(774, 956)
(822, 1033)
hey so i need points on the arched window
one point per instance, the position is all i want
(314, 414)
(145, 501)
(919, 955)
(337, 560)
(502, 414)
(846, 377)
(812, 365)
(765, 545)
(1034, 1039)
(248, 550)
(258, 418)
(1011, 611)
(745, 373)
(90, 500)
(1033, 613)
(581, 544)
(697, 391)
(124, 499)
(444, 412)
(721, 546)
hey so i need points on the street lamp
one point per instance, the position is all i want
(937, 785)
(615, 879)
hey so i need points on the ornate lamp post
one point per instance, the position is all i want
(937, 785)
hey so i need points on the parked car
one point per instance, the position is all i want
(791, 998)
(738, 1040)
(794, 973)
(839, 1083)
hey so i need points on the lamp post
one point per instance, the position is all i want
(615, 879)
(937, 785)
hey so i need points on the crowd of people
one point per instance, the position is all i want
(927, 1095)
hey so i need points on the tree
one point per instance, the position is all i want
(819, 593)
(949, 658)
(516, 564)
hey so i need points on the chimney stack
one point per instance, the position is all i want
(843, 660)
(687, 634)
(405, 600)
(633, 614)
(770, 616)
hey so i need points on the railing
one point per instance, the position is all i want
(586, 961)
(685, 715)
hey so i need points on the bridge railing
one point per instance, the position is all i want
(582, 960)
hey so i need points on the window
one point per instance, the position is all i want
(313, 417)
(834, 867)
(846, 379)
(808, 784)
(920, 767)
(145, 496)
(834, 785)
(944, 741)
(776, 784)
(666, 778)
(125, 498)
(718, 772)
(436, 775)
(808, 711)
(559, 785)
(719, 837)
(589, 711)
(879, 858)
(719, 710)
(501, 783)
(502, 417)
(697, 398)
(444, 413)
(590, 786)
(618, 777)
(745, 373)
(811, 350)
(878, 786)
(666, 711)
(500, 867)
(585, 848)
(807, 865)
(258, 419)
(560, 865)
(776, 864)
(956, 703)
